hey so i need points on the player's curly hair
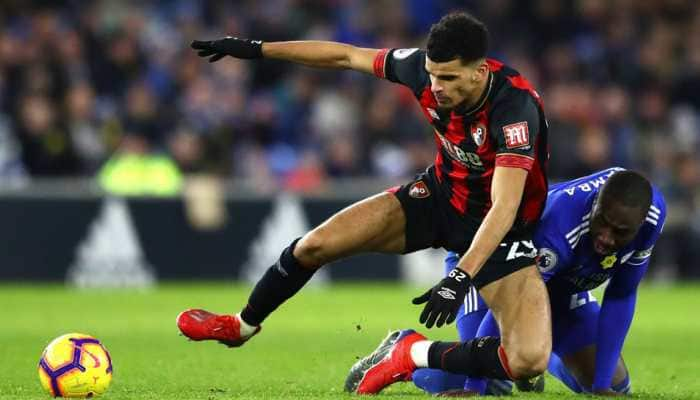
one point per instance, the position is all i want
(458, 35)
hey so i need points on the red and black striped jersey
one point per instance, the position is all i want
(506, 127)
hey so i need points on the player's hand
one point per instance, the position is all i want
(228, 46)
(444, 299)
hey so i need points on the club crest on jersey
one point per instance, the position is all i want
(478, 133)
(517, 135)
(419, 190)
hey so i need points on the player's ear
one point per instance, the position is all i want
(481, 71)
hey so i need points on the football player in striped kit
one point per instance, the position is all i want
(596, 228)
(482, 198)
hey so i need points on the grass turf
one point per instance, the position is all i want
(304, 350)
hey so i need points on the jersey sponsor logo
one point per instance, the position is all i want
(466, 158)
(419, 190)
(478, 131)
(546, 259)
(401, 54)
(588, 282)
(517, 135)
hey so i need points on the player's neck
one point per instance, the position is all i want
(477, 98)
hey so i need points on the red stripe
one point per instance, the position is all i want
(460, 192)
(514, 161)
(520, 82)
(438, 166)
(535, 191)
(504, 362)
(494, 65)
(486, 153)
(455, 129)
(393, 189)
(379, 61)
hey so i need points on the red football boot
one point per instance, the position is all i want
(203, 325)
(391, 362)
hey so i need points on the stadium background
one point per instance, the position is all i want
(98, 89)
(125, 159)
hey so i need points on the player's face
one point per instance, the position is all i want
(613, 226)
(454, 83)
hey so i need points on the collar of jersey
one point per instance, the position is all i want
(482, 100)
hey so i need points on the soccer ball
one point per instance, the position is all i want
(75, 365)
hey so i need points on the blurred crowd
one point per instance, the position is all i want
(83, 82)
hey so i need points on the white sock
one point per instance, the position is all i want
(246, 329)
(419, 353)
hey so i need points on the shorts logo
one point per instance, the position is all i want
(478, 133)
(516, 135)
(419, 190)
(522, 248)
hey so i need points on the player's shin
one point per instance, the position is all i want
(478, 357)
(280, 282)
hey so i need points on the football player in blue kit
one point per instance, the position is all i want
(596, 228)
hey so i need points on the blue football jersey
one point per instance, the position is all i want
(567, 261)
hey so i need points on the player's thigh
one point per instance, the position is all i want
(376, 224)
(520, 304)
(581, 365)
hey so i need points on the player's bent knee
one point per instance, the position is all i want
(527, 363)
(311, 250)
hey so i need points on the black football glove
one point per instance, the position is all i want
(444, 299)
(228, 46)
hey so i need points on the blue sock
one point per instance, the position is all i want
(557, 368)
(488, 327)
(435, 381)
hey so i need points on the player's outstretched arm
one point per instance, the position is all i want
(443, 300)
(321, 54)
(614, 322)
(506, 193)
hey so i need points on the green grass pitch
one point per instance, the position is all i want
(304, 349)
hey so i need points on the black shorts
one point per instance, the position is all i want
(431, 221)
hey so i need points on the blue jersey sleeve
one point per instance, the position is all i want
(614, 322)
(553, 251)
(620, 297)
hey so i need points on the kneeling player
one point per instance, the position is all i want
(594, 228)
